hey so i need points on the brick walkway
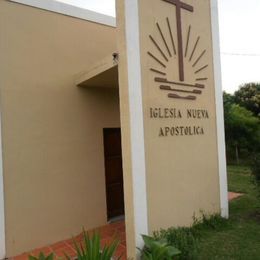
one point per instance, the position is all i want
(107, 233)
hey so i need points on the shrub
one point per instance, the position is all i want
(208, 222)
(186, 238)
(158, 249)
(183, 238)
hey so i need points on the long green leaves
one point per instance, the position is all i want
(91, 248)
(42, 257)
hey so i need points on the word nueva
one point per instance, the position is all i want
(161, 113)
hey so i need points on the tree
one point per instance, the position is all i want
(248, 96)
(241, 127)
(228, 100)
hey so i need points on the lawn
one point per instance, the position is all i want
(240, 239)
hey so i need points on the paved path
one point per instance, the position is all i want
(234, 195)
(107, 233)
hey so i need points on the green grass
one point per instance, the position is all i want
(213, 237)
(241, 238)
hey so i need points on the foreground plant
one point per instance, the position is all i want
(42, 257)
(91, 249)
(184, 238)
(158, 249)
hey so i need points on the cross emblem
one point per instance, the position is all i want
(179, 6)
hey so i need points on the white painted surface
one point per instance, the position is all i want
(107, 7)
(70, 10)
(2, 208)
(220, 111)
(136, 119)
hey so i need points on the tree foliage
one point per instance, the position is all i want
(248, 96)
(242, 128)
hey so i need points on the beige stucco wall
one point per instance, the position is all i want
(54, 180)
(182, 175)
(182, 171)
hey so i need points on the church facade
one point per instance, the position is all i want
(101, 121)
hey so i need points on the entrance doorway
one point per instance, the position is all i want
(113, 172)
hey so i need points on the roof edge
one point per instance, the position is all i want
(70, 10)
(98, 68)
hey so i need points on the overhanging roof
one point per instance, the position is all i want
(70, 10)
(102, 74)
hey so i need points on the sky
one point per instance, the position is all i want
(239, 22)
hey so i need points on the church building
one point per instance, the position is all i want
(106, 119)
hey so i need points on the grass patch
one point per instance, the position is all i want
(240, 179)
(187, 239)
(213, 237)
(241, 239)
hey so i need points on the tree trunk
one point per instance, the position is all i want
(237, 154)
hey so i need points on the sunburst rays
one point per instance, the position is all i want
(165, 49)
(170, 32)
(198, 59)
(158, 72)
(201, 69)
(164, 40)
(156, 59)
(195, 56)
(187, 42)
(158, 48)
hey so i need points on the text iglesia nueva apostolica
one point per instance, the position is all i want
(179, 130)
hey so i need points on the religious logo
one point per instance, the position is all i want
(187, 53)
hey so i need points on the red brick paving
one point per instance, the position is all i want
(234, 195)
(107, 233)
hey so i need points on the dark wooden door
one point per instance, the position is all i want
(114, 172)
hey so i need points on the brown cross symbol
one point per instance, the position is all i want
(180, 5)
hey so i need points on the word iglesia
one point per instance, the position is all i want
(180, 130)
